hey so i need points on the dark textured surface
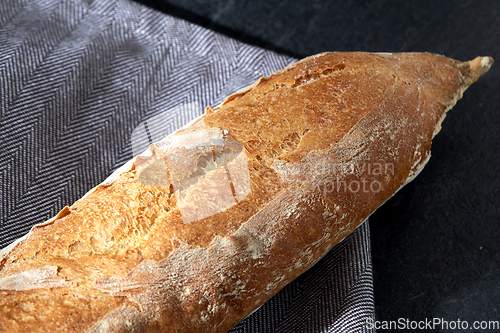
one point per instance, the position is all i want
(436, 244)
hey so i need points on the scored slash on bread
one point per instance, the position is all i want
(215, 219)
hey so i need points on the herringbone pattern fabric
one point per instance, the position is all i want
(77, 77)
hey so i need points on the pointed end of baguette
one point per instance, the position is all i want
(478, 67)
(474, 70)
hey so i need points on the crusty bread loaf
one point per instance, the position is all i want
(216, 218)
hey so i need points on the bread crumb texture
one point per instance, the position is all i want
(219, 216)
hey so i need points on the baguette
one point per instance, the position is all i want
(212, 221)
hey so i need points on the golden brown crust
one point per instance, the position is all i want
(225, 212)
